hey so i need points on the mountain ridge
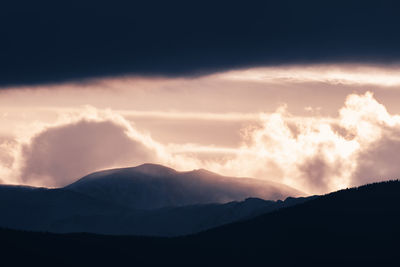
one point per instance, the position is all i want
(150, 186)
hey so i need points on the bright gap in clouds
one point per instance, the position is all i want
(349, 74)
(316, 128)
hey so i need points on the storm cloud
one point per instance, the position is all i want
(48, 41)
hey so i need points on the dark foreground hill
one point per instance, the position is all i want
(355, 227)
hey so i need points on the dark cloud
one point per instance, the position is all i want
(317, 172)
(51, 41)
(380, 161)
(60, 155)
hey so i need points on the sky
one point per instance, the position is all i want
(298, 92)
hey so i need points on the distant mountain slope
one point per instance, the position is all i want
(64, 211)
(173, 221)
(151, 186)
(35, 209)
(356, 227)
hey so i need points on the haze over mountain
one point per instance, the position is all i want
(151, 186)
(354, 227)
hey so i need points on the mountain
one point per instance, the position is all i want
(152, 186)
(354, 227)
(148, 199)
(64, 211)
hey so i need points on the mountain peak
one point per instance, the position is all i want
(154, 169)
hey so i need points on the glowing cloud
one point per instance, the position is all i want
(319, 156)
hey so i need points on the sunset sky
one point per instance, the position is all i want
(308, 102)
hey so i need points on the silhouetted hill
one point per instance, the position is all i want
(356, 227)
(152, 186)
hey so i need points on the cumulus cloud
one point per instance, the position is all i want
(77, 144)
(319, 155)
(59, 155)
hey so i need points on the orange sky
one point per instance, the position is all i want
(312, 127)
